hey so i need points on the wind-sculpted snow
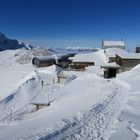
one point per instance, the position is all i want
(18, 101)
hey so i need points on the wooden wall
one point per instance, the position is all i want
(80, 65)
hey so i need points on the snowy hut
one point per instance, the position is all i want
(110, 70)
(80, 61)
(113, 44)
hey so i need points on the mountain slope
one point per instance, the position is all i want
(11, 44)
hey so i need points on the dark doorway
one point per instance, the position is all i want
(112, 72)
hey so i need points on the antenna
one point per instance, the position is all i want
(102, 43)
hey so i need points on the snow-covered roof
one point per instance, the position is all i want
(111, 52)
(87, 57)
(129, 55)
(111, 65)
(98, 57)
(113, 43)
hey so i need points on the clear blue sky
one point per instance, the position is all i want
(39, 21)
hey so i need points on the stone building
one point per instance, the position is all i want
(81, 61)
(127, 61)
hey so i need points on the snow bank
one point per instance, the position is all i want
(47, 75)
(128, 126)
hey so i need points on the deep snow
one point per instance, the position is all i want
(83, 106)
(128, 126)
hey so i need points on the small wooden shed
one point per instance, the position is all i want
(81, 61)
(111, 70)
(40, 105)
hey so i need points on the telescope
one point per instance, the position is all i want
(44, 61)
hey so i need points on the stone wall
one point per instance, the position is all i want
(126, 64)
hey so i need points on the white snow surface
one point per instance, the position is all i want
(130, 55)
(111, 52)
(128, 126)
(11, 73)
(14, 66)
(69, 106)
(84, 107)
(99, 58)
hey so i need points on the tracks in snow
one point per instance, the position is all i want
(94, 124)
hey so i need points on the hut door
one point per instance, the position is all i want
(112, 73)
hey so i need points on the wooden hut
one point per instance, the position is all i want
(40, 105)
(110, 70)
(81, 61)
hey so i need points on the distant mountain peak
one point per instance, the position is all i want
(26, 46)
(2, 38)
(12, 44)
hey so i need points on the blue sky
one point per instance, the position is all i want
(44, 22)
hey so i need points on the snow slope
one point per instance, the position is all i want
(128, 126)
(75, 113)
(98, 57)
(18, 102)
(14, 66)
(11, 73)
(12, 44)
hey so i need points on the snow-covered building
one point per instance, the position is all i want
(127, 60)
(110, 70)
(111, 53)
(80, 61)
(122, 57)
(113, 44)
